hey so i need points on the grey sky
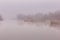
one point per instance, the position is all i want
(8, 7)
(30, 0)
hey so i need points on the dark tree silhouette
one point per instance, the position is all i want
(1, 19)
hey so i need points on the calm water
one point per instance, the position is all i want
(14, 30)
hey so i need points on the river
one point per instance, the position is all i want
(14, 30)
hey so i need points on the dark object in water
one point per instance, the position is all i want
(55, 22)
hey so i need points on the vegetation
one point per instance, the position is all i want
(1, 19)
(39, 17)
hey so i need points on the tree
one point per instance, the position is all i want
(1, 19)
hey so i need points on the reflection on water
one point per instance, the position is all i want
(14, 30)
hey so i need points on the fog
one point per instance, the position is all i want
(19, 30)
(8, 7)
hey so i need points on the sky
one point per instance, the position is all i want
(29, 1)
(9, 8)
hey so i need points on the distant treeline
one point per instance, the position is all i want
(1, 19)
(38, 17)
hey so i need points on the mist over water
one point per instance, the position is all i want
(14, 30)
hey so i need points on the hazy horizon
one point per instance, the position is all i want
(9, 8)
(37, 27)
